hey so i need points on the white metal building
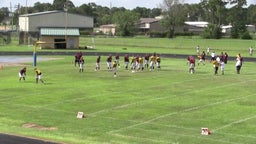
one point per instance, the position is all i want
(60, 23)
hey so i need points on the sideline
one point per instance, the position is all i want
(90, 53)
(13, 139)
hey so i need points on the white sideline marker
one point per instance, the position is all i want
(80, 115)
(205, 131)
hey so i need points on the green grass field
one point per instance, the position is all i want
(179, 45)
(165, 106)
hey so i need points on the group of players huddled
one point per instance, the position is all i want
(134, 63)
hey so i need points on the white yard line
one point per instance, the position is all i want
(159, 98)
(185, 110)
(237, 135)
(199, 136)
(234, 122)
(139, 138)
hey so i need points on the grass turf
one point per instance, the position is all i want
(178, 45)
(165, 106)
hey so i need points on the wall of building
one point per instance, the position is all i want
(72, 42)
(33, 22)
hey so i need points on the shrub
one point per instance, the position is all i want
(246, 35)
(212, 31)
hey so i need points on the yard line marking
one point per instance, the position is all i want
(139, 138)
(199, 136)
(234, 122)
(236, 135)
(127, 105)
(185, 110)
(172, 133)
(159, 98)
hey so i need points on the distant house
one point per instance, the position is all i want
(195, 26)
(147, 25)
(226, 29)
(109, 29)
(58, 28)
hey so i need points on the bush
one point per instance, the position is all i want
(212, 32)
(246, 35)
(85, 33)
(157, 34)
(184, 34)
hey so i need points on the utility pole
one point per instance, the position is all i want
(11, 15)
(26, 20)
(66, 20)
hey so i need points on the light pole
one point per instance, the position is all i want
(66, 20)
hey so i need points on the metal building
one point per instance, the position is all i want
(59, 29)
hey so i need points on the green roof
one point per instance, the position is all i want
(59, 31)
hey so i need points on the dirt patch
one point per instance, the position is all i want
(38, 127)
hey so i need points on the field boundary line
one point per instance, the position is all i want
(243, 136)
(134, 137)
(159, 98)
(199, 136)
(234, 122)
(177, 112)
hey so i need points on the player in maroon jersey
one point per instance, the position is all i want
(22, 73)
(146, 60)
(191, 61)
(81, 64)
(126, 61)
(202, 58)
(97, 64)
(117, 60)
(77, 57)
(109, 62)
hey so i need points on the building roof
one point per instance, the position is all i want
(197, 23)
(41, 13)
(59, 31)
(108, 26)
(48, 12)
(148, 20)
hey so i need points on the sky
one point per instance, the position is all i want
(128, 4)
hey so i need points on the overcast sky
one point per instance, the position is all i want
(128, 4)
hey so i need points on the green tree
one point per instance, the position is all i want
(251, 15)
(104, 15)
(40, 7)
(174, 15)
(193, 12)
(62, 4)
(238, 18)
(214, 11)
(4, 13)
(142, 11)
(212, 31)
(125, 21)
(155, 12)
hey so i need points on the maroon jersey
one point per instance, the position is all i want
(191, 60)
(98, 60)
(203, 56)
(146, 57)
(126, 58)
(109, 59)
(23, 71)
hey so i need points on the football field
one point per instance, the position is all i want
(167, 105)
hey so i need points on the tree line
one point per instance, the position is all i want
(174, 12)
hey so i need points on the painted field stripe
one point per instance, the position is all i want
(159, 98)
(172, 133)
(234, 122)
(185, 110)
